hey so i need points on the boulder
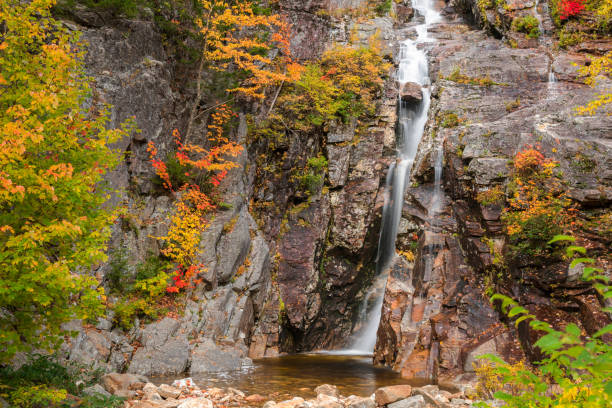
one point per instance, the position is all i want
(328, 401)
(96, 390)
(292, 403)
(413, 402)
(168, 391)
(411, 92)
(358, 402)
(207, 357)
(119, 384)
(327, 389)
(393, 393)
(255, 398)
(200, 402)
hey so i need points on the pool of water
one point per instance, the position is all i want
(298, 375)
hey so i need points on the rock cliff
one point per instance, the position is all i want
(491, 98)
(286, 270)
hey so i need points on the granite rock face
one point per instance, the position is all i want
(436, 317)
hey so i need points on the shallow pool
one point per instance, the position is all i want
(298, 375)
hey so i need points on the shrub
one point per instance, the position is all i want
(36, 396)
(493, 195)
(383, 7)
(126, 310)
(314, 177)
(538, 205)
(43, 382)
(570, 8)
(449, 120)
(528, 25)
(129, 8)
(576, 370)
(458, 77)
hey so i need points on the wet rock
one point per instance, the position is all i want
(119, 384)
(393, 393)
(411, 92)
(200, 402)
(413, 402)
(269, 404)
(327, 389)
(404, 13)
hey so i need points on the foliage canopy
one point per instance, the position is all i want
(53, 155)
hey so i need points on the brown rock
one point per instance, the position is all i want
(327, 389)
(292, 403)
(393, 393)
(255, 398)
(168, 391)
(411, 92)
(119, 384)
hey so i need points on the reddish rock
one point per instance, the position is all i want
(388, 395)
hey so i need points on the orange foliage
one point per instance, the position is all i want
(183, 237)
(235, 38)
(538, 207)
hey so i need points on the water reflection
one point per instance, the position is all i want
(298, 375)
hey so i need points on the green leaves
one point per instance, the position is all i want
(52, 197)
(579, 366)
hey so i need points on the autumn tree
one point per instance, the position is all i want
(53, 155)
(236, 40)
(239, 40)
(595, 72)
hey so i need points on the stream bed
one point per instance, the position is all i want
(297, 375)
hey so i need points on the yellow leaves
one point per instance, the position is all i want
(598, 68)
(62, 170)
(237, 38)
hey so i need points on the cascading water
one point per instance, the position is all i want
(413, 68)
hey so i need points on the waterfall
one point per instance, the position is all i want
(413, 67)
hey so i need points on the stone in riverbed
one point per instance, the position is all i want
(196, 403)
(292, 403)
(327, 389)
(269, 404)
(328, 401)
(413, 402)
(358, 402)
(255, 398)
(168, 391)
(393, 393)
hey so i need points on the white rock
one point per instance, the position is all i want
(200, 402)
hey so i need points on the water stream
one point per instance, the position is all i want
(413, 68)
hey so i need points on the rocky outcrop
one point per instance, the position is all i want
(436, 316)
(285, 270)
